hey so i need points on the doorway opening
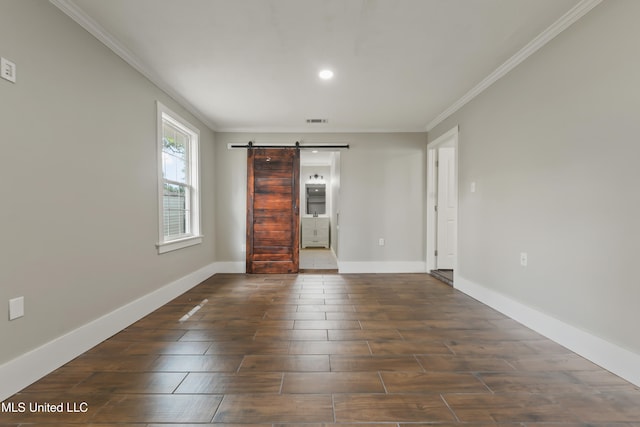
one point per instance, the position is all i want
(320, 211)
(442, 206)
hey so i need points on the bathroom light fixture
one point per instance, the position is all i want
(325, 74)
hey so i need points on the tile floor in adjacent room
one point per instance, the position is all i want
(385, 349)
(318, 259)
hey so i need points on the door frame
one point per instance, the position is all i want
(333, 195)
(449, 137)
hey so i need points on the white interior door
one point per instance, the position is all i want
(447, 209)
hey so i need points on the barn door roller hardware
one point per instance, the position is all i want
(297, 145)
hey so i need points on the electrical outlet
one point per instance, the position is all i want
(523, 259)
(7, 70)
(16, 308)
(381, 242)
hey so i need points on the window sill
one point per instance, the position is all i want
(178, 244)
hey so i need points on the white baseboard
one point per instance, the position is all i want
(30, 367)
(239, 267)
(349, 267)
(611, 357)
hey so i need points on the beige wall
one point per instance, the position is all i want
(381, 194)
(79, 180)
(553, 149)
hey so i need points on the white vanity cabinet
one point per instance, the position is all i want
(315, 232)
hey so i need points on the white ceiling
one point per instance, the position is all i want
(251, 65)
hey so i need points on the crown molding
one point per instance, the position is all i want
(573, 15)
(317, 130)
(69, 8)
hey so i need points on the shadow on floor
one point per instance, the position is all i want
(444, 275)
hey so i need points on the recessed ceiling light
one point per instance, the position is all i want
(325, 74)
(314, 151)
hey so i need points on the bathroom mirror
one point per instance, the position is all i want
(316, 199)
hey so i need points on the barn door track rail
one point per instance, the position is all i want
(251, 145)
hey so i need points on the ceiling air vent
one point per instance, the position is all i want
(317, 120)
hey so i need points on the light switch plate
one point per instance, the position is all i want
(7, 70)
(524, 259)
(16, 308)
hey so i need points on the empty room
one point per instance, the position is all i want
(319, 212)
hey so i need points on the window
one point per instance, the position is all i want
(179, 195)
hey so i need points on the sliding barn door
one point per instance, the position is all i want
(273, 196)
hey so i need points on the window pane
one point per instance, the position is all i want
(182, 140)
(174, 168)
(174, 141)
(168, 135)
(174, 153)
(174, 223)
(175, 210)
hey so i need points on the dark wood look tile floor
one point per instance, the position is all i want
(314, 350)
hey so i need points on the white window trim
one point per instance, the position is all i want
(195, 237)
